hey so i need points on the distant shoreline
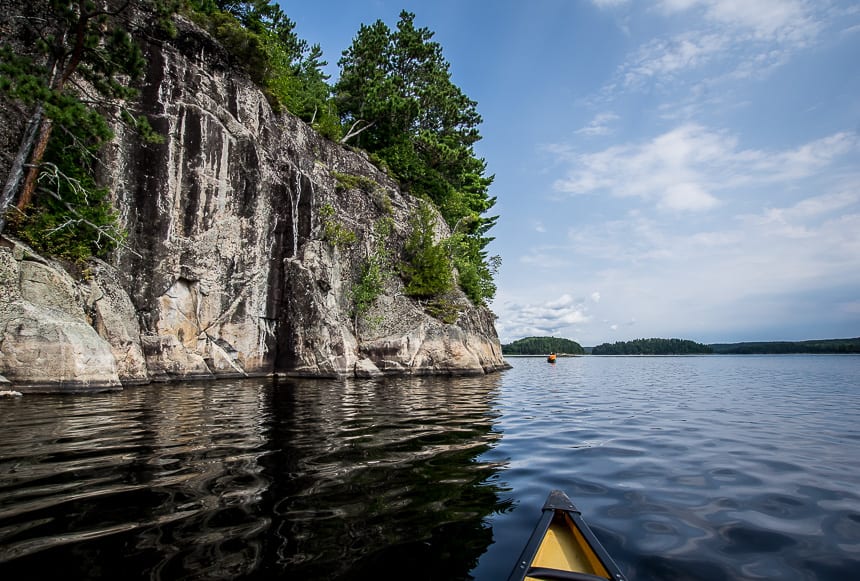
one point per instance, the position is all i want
(672, 347)
(561, 356)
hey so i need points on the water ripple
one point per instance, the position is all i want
(691, 467)
(700, 468)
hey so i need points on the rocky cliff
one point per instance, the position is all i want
(227, 270)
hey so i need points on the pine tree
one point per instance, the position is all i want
(83, 61)
(396, 96)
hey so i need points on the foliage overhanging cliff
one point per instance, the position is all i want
(394, 99)
(236, 239)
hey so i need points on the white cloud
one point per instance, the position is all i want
(683, 169)
(599, 125)
(782, 20)
(603, 4)
(687, 197)
(801, 161)
(806, 220)
(545, 258)
(724, 40)
(819, 205)
(547, 318)
(661, 58)
(726, 198)
(742, 275)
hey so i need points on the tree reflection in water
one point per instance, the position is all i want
(251, 479)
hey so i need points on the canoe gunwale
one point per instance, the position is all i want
(558, 503)
(559, 575)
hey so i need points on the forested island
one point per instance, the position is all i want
(787, 347)
(542, 346)
(652, 347)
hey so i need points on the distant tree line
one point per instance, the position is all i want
(542, 346)
(785, 347)
(652, 347)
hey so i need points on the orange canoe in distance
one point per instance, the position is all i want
(551, 358)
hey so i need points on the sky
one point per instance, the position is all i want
(665, 168)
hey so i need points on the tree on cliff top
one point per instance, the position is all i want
(396, 97)
(264, 42)
(83, 60)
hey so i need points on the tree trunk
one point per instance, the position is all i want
(45, 124)
(16, 172)
(36, 159)
(35, 127)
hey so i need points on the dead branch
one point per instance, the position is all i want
(353, 131)
(54, 176)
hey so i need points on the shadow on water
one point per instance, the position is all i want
(251, 479)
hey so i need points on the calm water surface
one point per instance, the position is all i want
(686, 467)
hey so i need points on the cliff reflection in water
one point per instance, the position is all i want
(381, 477)
(249, 479)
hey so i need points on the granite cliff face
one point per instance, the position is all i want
(227, 271)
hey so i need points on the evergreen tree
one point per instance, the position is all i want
(263, 40)
(83, 60)
(427, 269)
(397, 99)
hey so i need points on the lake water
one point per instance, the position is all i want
(706, 468)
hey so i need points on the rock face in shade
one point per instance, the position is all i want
(227, 271)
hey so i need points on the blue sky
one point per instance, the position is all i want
(675, 168)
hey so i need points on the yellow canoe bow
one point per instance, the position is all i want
(562, 547)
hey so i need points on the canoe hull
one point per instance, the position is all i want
(563, 547)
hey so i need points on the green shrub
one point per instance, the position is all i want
(382, 201)
(327, 123)
(78, 225)
(427, 269)
(371, 283)
(70, 216)
(335, 233)
(475, 271)
(445, 309)
(346, 182)
(375, 271)
(380, 164)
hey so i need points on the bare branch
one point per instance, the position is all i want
(353, 131)
(54, 176)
